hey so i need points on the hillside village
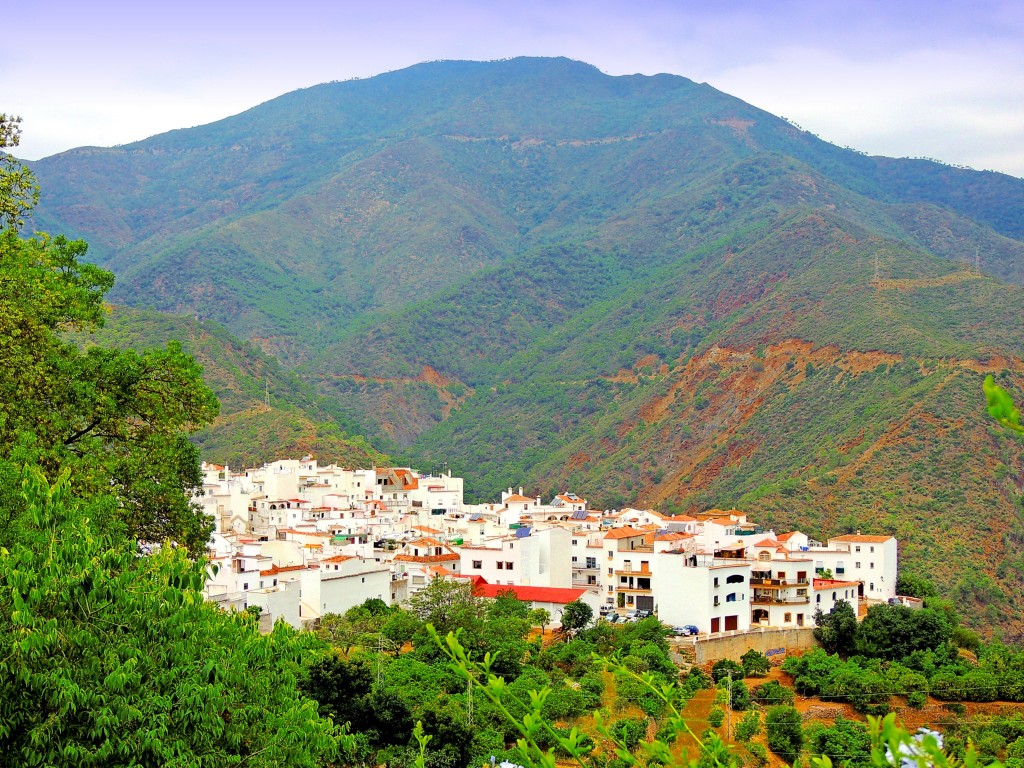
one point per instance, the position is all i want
(300, 540)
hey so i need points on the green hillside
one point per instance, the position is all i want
(638, 287)
(266, 411)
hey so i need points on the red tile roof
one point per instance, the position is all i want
(560, 595)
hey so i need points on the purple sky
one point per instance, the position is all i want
(902, 78)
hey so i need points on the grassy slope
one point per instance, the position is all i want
(825, 400)
(247, 431)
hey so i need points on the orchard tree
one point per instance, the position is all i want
(785, 732)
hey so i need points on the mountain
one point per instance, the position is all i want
(266, 411)
(637, 287)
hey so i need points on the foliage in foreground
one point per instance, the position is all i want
(110, 657)
(115, 418)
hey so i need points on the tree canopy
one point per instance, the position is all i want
(117, 418)
(112, 658)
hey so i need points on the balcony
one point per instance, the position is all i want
(776, 600)
(646, 572)
(779, 583)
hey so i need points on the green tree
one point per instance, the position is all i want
(846, 743)
(18, 190)
(837, 630)
(113, 658)
(726, 668)
(755, 664)
(540, 617)
(116, 418)
(772, 693)
(913, 585)
(895, 631)
(785, 732)
(576, 616)
(749, 726)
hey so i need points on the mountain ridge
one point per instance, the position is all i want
(636, 287)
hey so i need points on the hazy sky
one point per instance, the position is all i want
(894, 77)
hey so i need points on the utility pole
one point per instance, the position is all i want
(728, 712)
(380, 656)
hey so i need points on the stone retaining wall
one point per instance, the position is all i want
(774, 643)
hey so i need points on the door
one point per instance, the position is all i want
(645, 602)
(732, 622)
(715, 627)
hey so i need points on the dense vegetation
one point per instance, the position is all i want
(110, 654)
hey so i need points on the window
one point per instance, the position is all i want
(591, 562)
(716, 581)
(856, 549)
(610, 570)
(856, 565)
(731, 597)
(478, 564)
(575, 559)
(245, 587)
(500, 565)
(871, 549)
(716, 602)
(363, 580)
(871, 565)
(764, 555)
(787, 618)
(736, 578)
(574, 542)
(817, 598)
(508, 566)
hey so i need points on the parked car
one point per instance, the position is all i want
(644, 614)
(685, 630)
(612, 618)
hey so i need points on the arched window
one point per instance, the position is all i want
(764, 556)
(736, 578)
(731, 597)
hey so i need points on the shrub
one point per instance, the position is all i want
(758, 754)
(772, 694)
(785, 732)
(724, 668)
(749, 726)
(716, 717)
